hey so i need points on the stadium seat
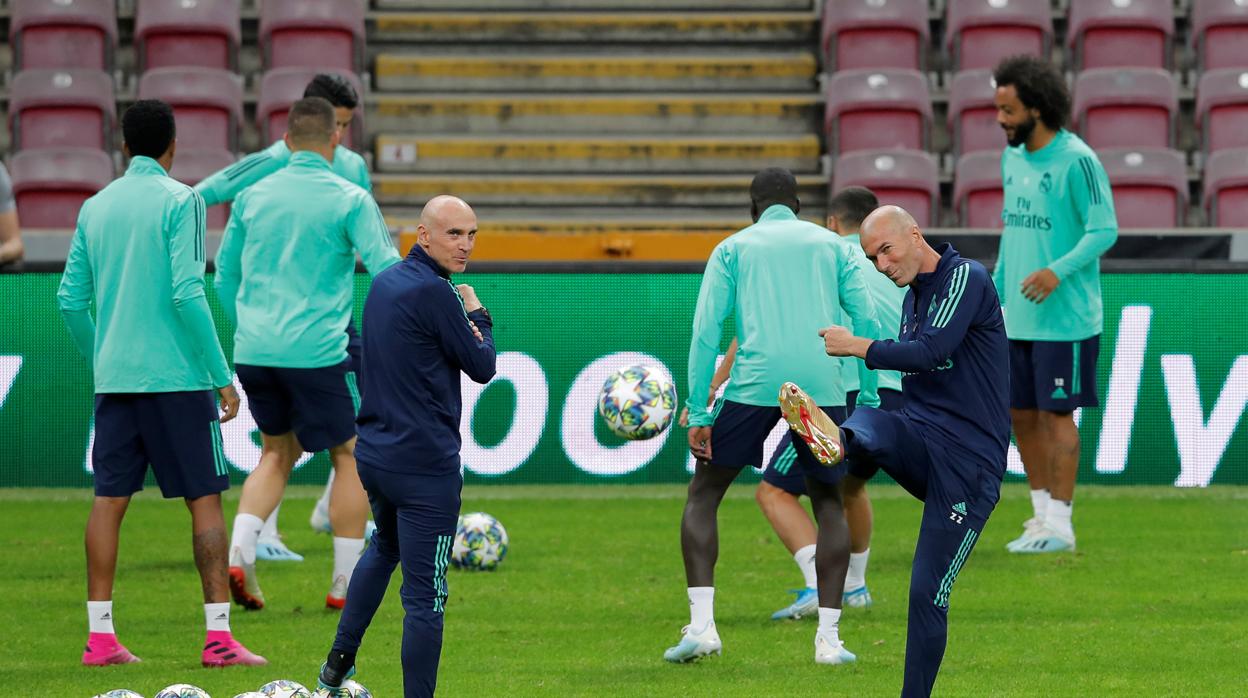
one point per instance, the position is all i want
(207, 103)
(906, 178)
(979, 33)
(875, 34)
(872, 109)
(977, 190)
(1222, 109)
(50, 184)
(1149, 185)
(282, 87)
(202, 33)
(192, 166)
(1226, 188)
(1126, 107)
(1218, 29)
(61, 109)
(972, 114)
(63, 33)
(1118, 33)
(328, 34)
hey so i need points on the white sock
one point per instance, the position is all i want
(247, 529)
(1058, 516)
(346, 554)
(269, 531)
(701, 607)
(100, 617)
(217, 616)
(805, 559)
(1039, 504)
(829, 623)
(323, 502)
(856, 578)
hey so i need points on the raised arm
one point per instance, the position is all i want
(223, 186)
(457, 328)
(959, 301)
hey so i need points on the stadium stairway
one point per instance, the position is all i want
(594, 129)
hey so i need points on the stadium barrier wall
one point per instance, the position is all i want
(1173, 377)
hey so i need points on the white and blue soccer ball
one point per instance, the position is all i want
(480, 542)
(251, 694)
(352, 689)
(637, 402)
(285, 688)
(182, 690)
(119, 693)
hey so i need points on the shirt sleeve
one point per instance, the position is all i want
(1088, 186)
(369, 234)
(998, 269)
(451, 324)
(229, 262)
(945, 327)
(186, 259)
(7, 202)
(74, 295)
(860, 306)
(359, 173)
(222, 187)
(716, 298)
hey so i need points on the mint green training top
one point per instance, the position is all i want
(224, 186)
(1058, 213)
(286, 265)
(888, 298)
(138, 251)
(784, 279)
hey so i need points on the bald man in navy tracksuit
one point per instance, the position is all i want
(421, 331)
(947, 445)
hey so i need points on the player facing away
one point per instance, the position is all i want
(749, 275)
(422, 333)
(947, 445)
(782, 486)
(222, 187)
(1059, 220)
(285, 273)
(138, 252)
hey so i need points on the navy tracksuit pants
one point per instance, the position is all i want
(958, 495)
(416, 517)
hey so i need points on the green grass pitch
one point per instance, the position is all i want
(592, 592)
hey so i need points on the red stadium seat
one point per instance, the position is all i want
(906, 178)
(61, 109)
(972, 114)
(875, 34)
(50, 184)
(328, 34)
(977, 192)
(1226, 188)
(1218, 30)
(1117, 33)
(192, 166)
(979, 33)
(1126, 107)
(873, 109)
(1222, 109)
(202, 33)
(1149, 185)
(207, 104)
(284, 86)
(63, 33)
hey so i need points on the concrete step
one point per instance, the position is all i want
(594, 113)
(603, 191)
(601, 5)
(629, 72)
(593, 27)
(619, 154)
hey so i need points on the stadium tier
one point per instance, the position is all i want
(614, 119)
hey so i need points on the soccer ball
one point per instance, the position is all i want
(480, 542)
(182, 690)
(352, 688)
(119, 693)
(285, 688)
(251, 694)
(637, 402)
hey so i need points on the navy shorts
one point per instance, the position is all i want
(1053, 376)
(780, 472)
(318, 404)
(740, 430)
(178, 434)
